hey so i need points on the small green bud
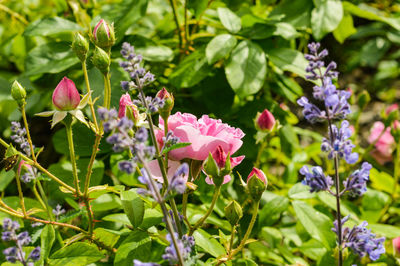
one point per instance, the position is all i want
(101, 60)
(80, 46)
(212, 170)
(233, 212)
(165, 111)
(256, 183)
(363, 99)
(103, 34)
(18, 93)
(391, 117)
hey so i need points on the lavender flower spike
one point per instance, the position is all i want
(316, 179)
(356, 184)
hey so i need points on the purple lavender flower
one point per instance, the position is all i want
(30, 174)
(58, 211)
(356, 184)
(178, 182)
(316, 179)
(132, 65)
(185, 247)
(16, 253)
(153, 103)
(169, 140)
(19, 137)
(315, 63)
(149, 191)
(340, 144)
(139, 263)
(311, 112)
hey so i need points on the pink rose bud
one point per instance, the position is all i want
(392, 108)
(396, 244)
(103, 34)
(256, 183)
(396, 125)
(124, 101)
(65, 96)
(265, 121)
(165, 111)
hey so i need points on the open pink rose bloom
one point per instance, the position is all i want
(205, 135)
(385, 145)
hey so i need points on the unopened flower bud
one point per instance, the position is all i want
(103, 35)
(233, 212)
(165, 111)
(212, 170)
(395, 131)
(363, 99)
(80, 46)
(265, 121)
(128, 109)
(18, 93)
(391, 117)
(256, 183)
(65, 96)
(101, 60)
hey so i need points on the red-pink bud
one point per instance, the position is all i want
(265, 120)
(124, 101)
(396, 244)
(163, 94)
(168, 103)
(65, 96)
(392, 108)
(103, 34)
(219, 156)
(259, 174)
(101, 23)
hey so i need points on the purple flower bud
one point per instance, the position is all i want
(66, 96)
(316, 179)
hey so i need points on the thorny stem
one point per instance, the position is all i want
(28, 135)
(159, 157)
(173, 6)
(168, 222)
(91, 105)
(21, 196)
(41, 168)
(247, 234)
(68, 127)
(200, 222)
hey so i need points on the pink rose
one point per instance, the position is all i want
(259, 174)
(204, 134)
(385, 146)
(391, 108)
(65, 96)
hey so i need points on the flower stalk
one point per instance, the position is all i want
(68, 127)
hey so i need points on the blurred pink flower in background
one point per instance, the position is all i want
(385, 145)
(396, 245)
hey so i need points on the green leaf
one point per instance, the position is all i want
(345, 28)
(297, 13)
(272, 210)
(76, 254)
(6, 178)
(52, 57)
(136, 246)
(124, 14)
(47, 238)
(208, 243)
(106, 202)
(176, 146)
(385, 230)
(300, 191)
(191, 70)
(368, 12)
(246, 69)
(50, 26)
(106, 237)
(229, 19)
(330, 201)
(219, 47)
(289, 60)
(117, 218)
(317, 224)
(373, 50)
(325, 17)
(133, 207)
(153, 53)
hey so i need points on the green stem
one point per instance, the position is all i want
(20, 194)
(249, 229)
(200, 222)
(232, 238)
(186, 25)
(91, 105)
(28, 135)
(48, 210)
(259, 153)
(107, 90)
(68, 126)
(173, 6)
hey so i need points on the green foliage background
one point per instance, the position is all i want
(229, 59)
